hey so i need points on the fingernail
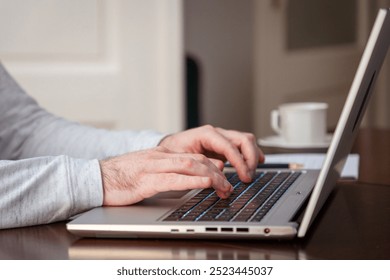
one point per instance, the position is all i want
(230, 191)
(227, 185)
(227, 194)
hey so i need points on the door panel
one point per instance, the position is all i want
(115, 64)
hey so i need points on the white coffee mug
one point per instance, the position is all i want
(300, 123)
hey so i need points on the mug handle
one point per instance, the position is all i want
(275, 121)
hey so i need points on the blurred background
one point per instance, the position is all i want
(173, 64)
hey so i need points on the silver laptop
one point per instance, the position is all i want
(277, 204)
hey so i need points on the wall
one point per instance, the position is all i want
(378, 113)
(228, 39)
(218, 34)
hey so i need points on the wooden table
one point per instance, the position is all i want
(354, 224)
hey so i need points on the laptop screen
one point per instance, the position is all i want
(351, 116)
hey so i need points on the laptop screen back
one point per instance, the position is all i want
(351, 116)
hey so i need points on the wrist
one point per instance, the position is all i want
(109, 173)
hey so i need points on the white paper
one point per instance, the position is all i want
(315, 161)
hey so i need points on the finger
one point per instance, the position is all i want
(218, 143)
(191, 165)
(161, 160)
(246, 143)
(218, 163)
(157, 156)
(156, 183)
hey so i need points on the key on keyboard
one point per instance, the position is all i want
(248, 202)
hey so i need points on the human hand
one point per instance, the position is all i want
(239, 148)
(132, 177)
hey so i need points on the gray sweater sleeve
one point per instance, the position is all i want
(49, 169)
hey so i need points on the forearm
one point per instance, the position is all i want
(61, 137)
(47, 189)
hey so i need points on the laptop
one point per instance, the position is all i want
(279, 203)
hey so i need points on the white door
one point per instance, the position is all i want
(306, 50)
(115, 64)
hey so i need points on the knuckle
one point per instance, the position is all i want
(160, 149)
(251, 137)
(208, 127)
(187, 163)
(201, 158)
(206, 182)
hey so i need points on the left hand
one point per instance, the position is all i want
(239, 148)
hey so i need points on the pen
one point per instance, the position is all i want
(280, 165)
(275, 165)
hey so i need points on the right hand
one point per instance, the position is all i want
(134, 176)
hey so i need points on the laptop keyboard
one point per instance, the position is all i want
(248, 202)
